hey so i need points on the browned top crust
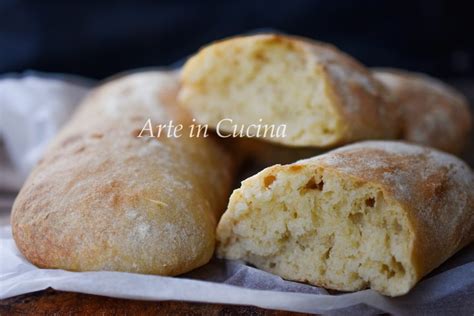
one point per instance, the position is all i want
(362, 98)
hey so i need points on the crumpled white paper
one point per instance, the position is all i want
(33, 106)
(448, 290)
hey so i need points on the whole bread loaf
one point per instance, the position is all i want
(104, 199)
(323, 96)
(373, 214)
(432, 113)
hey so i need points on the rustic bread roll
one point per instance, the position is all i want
(104, 199)
(432, 113)
(323, 96)
(374, 214)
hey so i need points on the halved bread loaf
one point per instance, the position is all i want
(432, 113)
(374, 214)
(322, 96)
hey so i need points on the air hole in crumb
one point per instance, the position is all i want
(385, 269)
(295, 215)
(398, 267)
(353, 276)
(370, 202)
(268, 180)
(313, 185)
(327, 254)
(322, 270)
(285, 236)
(272, 265)
(356, 218)
(302, 247)
(396, 226)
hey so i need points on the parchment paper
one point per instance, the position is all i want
(448, 290)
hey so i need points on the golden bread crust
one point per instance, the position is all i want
(103, 199)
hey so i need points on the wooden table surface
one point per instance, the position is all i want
(51, 302)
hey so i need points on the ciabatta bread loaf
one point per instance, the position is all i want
(432, 113)
(104, 199)
(322, 96)
(374, 214)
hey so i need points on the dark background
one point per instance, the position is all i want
(99, 38)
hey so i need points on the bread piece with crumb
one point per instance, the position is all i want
(104, 199)
(323, 96)
(373, 214)
(432, 113)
